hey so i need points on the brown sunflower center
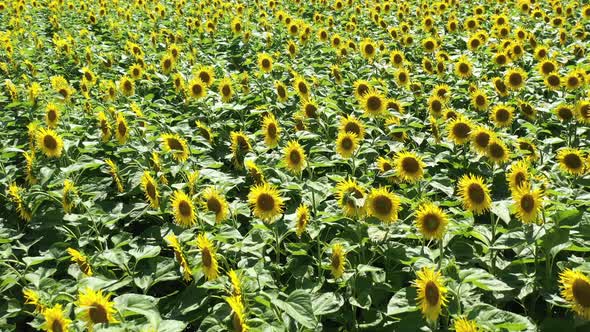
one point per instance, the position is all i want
(431, 293)
(226, 90)
(50, 142)
(281, 91)
(265, 63)
(302, 87)
(476, 193)
(56, 326)
(361, 89)
(352, 127)
(357, 194)
(573, 81)
(242, 143)
(572, 161)
(519, 178)
(206, 257)
(135, 72)
(265, 202)
(214, 205)
(547, 67)
(397, 59)
(98, 313)
(581, 291)
(151, 190)
(295, 157)
(196, 89)
(553, 80)
(311, 110)
(515, 79)
(482, 139)
(369, 49)
(496, 150)
(410, 165)
(122, 128)
(431, 222)
(382, 205)
(346, 143)
(374, 103)
(565, 113)
(480, 100)
(335, 261)
(174, 144)
(127, 86)
(205, 77)
(52, 115)
(436, 106)
(527, 203)
(461, 130)
(502, 115)
(463, 68)
(64, 92)
(272, 130)
(184, 208)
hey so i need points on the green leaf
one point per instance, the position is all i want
(499, 320)
(403, 301)
(502, 210)
(298, 306)
(131, 304)
(327, 303)
(144, 252)
(484, 280)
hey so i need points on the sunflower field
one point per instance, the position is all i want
(294, 165)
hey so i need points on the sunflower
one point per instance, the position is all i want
(465, 325)
(350, 124)
(463, 67)
(302, 87)
(502, 115)
(240, 145)
(167, 63)
(52, 114)
(527, 109)
(553, 81)
(271, 130)
(564, 112)
(351, 198)
(302, 213)
(518, 174)
(127, 86)
(97, 307)
(226, 89)
(443, 91)
(236, 25)
(33, 298)
(583, 111)
(68, 195)
(205, 131)
(479, 100)
(383, 205)
(254, 172)
(239, 314)
(527, 148)
(214, 202)
(431, 221)
(337, 260)
(571, 161)
(460, 130)
(575, 288)
(497, 151)
(206, 74)
(572, 80)
(429, 44)
(291, 49)
(474, 193)
(266, 202)
(114, 172)
(281, 90)
(500, 87)
(515, 78)
(265, 62)
(136, 71)
(374, 103)
(409, 167)
(56, 319)
(184, 211)
(480, 139)
(150, 189)
(294, 157)
(431, 292)
(361, 88)
(49, 142)
(435, 105)
(180, 256)
(197, 88)
(547, 67)
(397, 58)
(80, 259)
(527, 202)
(236, 284)
(309, 108)
(176, 145)
(346, 144)
(122, 132)
(402, 77)
(501, 58)
(368, 49)
(210, 267)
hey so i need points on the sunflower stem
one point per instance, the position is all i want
(441, 246)
(493, 222)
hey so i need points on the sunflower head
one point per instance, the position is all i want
(302, 220)
(226, 90)
(208, 259)
(431, 221)
(431, 292)
(266, 202)
(460, 130)
(214, 202)
(350, 124)
(474, 193)
(527, 202)
(575, 288)
(184, 211)
(571, 161)
(409, 166)
(337, 260)
(205, 74)
(294, 157)
(463, 324)
(346, 144)
(50, 143)
(176, 145)
(374, 103)
(98, 308)
(383, 204)
(265, 62)
(271, 130)
(56, 319)
(197, 88)
(463, 67)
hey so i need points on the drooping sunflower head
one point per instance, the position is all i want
(254, 172)
(431, 292)
(184, 211)
(266, 202)
(474, 193)
(346, 144)
(56, 319)
(294, 157)
(350, 124)
(32, 297)
(98, 308)
(431, 221)
(571, 161)
(337, 260)
(175, 145)
(302, 219)
(527, 202)
(214, 202)
(265, 62)
(374, 103)
(409, 166)
(50, 143)
(150, 189)
(351, 198)
(575, 288)
(383, 204)
(208, 259)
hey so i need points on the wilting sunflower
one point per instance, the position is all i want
(465, 325)
(56, 319)
(474, 193)
(122, 129)
(383, 204)
(515, 78)
(50, 143)
(431, 221)
(463, 67)
(265, 62)
(150, 189)
(97, 306)
(282, 92)
(351, 198)
(239, 313)
(350, 124)
(497, 151)
(302, 213)
(571, 161)
(337, 260)
(271, 130)
(196, 88)
(409, 167)
(176, 145)
(374, 103)
(68, 196)
(431, 292)
(518, 174)
(460, 130)
(52, 114)
(184, 211)
(294, 157)
(575, 288)
(226, 90)
(480, 139)
(527, 202)
(180, 256)
(80, 259)
(214, 202)
(266, 202)
(208, 259)
(346, 144)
